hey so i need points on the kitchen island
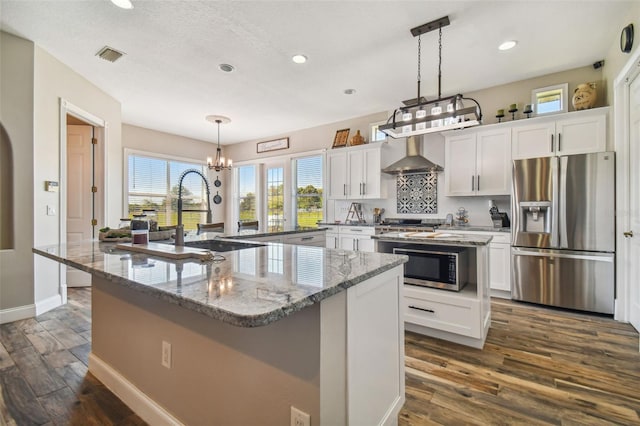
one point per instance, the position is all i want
(459, 316)
(242, 339)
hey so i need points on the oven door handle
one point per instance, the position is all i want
(422, 309)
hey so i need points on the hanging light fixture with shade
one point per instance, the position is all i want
(419, 116)
(218, 164)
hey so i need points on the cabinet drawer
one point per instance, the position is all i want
(459, 316)
(358, 230)
(307, 240)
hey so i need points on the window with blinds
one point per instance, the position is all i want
(309, 191)
(153, 184)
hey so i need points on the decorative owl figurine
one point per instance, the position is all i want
(584, 97)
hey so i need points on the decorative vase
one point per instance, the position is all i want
(357, 139)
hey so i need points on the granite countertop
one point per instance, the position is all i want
(472, 228)
(246, 234)
(439, 237)
(249, 288)
(348, 224)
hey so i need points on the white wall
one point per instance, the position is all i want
(16, 115)
(141, 139)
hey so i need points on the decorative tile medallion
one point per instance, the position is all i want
(418, 193)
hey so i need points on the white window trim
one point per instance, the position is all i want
(136, 152)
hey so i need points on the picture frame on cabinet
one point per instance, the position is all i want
(341, 138)
(550, 100)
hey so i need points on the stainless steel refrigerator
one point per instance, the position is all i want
(563, 243)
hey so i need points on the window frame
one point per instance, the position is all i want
(128, 152)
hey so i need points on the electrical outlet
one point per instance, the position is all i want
(51, 211)
(166, 354)
(299, 418)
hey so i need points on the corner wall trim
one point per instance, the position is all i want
(18, 313)
(134, 398)
(48, 304)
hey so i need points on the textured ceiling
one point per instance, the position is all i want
(169, 79)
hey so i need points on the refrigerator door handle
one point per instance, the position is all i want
(602, 257)
(554, 202)
(562, 223)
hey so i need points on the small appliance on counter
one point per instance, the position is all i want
(500, 219)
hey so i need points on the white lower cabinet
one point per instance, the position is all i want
(499, 261)
(500, 265)
(316, 239)
(313, 238)
(357, 238)
(462, 316)
(443, 311)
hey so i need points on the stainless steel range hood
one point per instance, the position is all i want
(413, 162)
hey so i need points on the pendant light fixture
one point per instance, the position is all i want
(419, 116)
(219, 164)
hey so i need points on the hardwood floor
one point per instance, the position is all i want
(43, 371)
(539, 366)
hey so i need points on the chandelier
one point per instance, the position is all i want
(419, 116)
(219, 163)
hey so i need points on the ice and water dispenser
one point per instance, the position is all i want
(535, 216)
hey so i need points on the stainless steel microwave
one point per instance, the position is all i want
(438, 267)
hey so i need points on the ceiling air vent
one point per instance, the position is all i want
(110, 54)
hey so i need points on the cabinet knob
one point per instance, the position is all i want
(628, 234)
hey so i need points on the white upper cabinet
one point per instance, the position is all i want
(478, 162)
(578, 132)
(337, 173)
(354, 173)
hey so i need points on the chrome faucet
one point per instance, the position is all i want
(179, 241)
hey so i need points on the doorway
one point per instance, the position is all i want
(82, 189)
(627, 136)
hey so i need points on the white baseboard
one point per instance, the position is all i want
(145, 407)
(48, 304)
(18, 313)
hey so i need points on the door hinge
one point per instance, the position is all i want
(94, 189)
(94, 222)
(94, 141)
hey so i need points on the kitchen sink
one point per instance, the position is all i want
(221, 245)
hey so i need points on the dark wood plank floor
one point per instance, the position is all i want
(43, 371)
(539, 366)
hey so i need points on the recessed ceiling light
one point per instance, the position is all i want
(349, 91)
(509, 44)
(226, 67)
(123, 4)
(299, 59)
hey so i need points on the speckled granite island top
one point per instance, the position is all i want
(439, 238)
(250, 288)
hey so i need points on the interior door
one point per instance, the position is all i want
(633, 232)
(79, 194)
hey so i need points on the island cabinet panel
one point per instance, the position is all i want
(444, 311)
(340, 360)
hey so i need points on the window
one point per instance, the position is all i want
(153, 184)
(275, 199)
(247, 193)
(309, 194)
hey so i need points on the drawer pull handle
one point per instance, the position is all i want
(307, 238)
(423, 309)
